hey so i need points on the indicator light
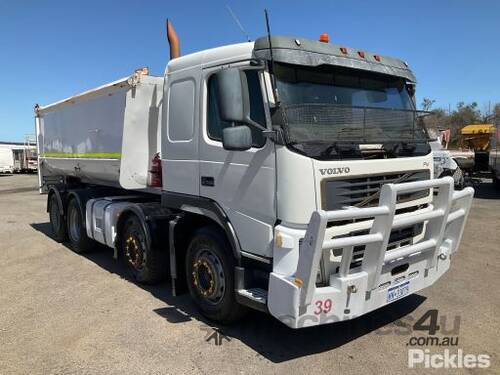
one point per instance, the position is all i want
(325, 38)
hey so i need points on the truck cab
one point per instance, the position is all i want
(284, 180)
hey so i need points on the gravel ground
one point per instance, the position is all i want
(66, 313)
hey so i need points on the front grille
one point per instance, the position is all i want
(339, 193)
(398, 238)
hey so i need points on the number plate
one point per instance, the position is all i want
(398, 291)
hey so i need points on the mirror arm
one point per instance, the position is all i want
(251, 122)
(271, 134)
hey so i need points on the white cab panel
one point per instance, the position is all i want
(180, 165)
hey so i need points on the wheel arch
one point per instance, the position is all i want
(150, 221)
(204, 211)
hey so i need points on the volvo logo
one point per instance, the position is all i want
(334, 171)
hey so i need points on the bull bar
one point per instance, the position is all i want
(293, 298)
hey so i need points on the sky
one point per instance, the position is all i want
(50, 50)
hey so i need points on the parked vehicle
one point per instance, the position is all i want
(25, 160)
(494, 159)
(444, 163)
(6, 159)
(477, 138)
(25, 156)
(286, 175)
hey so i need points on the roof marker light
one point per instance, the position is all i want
(376, 57)
(343, 50)
(361, 54)
(325, 38)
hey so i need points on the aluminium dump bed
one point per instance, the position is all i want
(105, 136)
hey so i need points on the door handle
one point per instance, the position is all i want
(207, 181)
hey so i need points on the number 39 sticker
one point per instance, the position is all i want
(323, 306)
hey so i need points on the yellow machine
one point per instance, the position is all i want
(477, 137)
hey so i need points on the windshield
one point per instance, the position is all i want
(332, 104)
(322, 85)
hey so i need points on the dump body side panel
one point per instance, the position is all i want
(87, 136)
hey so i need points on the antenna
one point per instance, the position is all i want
(271, 67)
(237, 21)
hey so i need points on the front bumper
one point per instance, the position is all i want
(296, 300)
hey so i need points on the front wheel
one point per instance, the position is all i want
(210, 276)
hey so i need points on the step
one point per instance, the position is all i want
(253, 297)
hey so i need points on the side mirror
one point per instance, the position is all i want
(237, 138)
(233, 95)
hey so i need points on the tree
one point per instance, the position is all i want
(427, 104)
(496, 113)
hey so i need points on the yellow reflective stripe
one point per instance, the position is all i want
(109, 155)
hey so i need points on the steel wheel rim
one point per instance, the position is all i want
(74, 225)
(134, 250)
(208, 276)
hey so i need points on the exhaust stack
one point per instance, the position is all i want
(173, 41)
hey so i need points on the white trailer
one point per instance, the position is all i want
(285, 174)
(6, 159)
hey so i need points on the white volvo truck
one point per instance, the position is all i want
(286, 175)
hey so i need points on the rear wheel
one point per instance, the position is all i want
(147, 264)
(56, 219)
(77, 235)
(210, 276)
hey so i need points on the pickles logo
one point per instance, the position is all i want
(334, 171)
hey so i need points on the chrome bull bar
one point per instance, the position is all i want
(444, 227)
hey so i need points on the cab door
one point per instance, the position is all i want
(180, 164)
(243, 183)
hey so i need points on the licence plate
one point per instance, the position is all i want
(398, 291)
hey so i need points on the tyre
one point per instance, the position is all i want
(57, 222)
(77, 234)
(458, 178)
(210, 276)
(147, 264)
(496, 180)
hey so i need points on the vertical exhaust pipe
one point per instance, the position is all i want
(173, 41)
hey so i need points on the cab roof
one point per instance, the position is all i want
(309, 52)
(294, 50)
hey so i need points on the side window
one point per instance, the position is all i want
(214, 122)
(181, 122)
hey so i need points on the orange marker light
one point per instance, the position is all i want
(376, 57)
(325, 38)
(343, 50)
(361, 54)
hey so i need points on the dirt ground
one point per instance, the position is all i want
(65, 313)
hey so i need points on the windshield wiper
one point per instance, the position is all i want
(342, 149)
(403, 147)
